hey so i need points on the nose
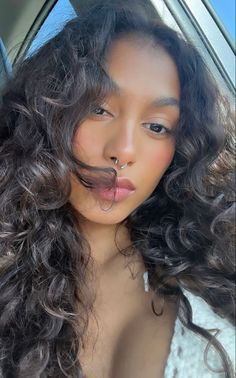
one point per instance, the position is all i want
(122, 143)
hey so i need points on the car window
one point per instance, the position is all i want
(196, 20)
(225, 12)
(58, 16)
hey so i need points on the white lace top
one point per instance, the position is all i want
(186, 357)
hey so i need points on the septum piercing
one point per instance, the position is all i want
(121, 166)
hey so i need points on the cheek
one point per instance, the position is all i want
(161, 157)
(84, 143)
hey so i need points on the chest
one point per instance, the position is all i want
(136, 348)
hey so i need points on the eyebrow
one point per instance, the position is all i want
(165, 101)
(158, 102)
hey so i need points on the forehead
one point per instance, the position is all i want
(137, 65)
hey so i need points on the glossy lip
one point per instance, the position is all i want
(123, 190)
(124, 182)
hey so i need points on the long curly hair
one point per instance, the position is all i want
(184, 230)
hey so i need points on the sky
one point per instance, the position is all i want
(226, 10)
(60, 14)
(63, 11)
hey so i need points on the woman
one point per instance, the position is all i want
(116, 206)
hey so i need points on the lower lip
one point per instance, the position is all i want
(112, 195)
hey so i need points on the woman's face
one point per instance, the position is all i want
(136, 124)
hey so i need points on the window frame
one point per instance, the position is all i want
(192, 23)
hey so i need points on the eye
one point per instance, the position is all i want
(157, 128)
(100, 111)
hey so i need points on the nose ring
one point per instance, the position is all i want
(116, 161)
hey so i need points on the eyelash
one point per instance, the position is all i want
(99, 108)
(167, 130)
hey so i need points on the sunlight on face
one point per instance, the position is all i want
(136, 124)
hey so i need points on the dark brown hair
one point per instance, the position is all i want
(184, 230)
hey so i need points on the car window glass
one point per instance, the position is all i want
(225, 11)
(59, 15)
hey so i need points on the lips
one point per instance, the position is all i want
(124, 188)
(125, 183)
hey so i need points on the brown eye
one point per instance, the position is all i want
(157, 128)
(100, 111)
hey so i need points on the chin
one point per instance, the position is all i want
(106, 215)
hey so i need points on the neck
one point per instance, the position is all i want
(105, 241)
(111, 265)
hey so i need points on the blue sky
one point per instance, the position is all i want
(61, 13)
(225, 9)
